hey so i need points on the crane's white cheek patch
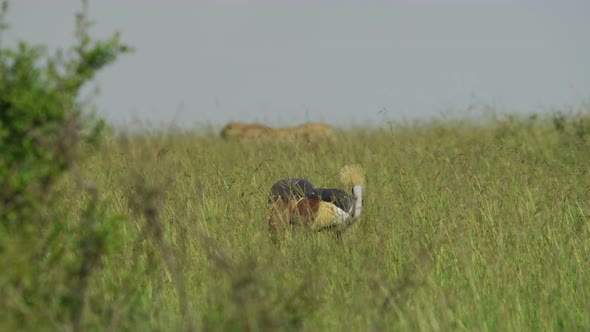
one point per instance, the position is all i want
(357, 192)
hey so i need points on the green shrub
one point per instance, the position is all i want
(41, 122)
(45, 259)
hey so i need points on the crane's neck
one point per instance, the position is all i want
(357, 194)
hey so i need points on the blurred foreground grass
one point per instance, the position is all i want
(464, 227)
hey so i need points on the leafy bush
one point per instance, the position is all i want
(43, 131)
(41, 123)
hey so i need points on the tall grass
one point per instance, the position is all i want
(464, 227)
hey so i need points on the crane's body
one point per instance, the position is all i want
(297, 201)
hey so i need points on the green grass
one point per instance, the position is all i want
(464, 227)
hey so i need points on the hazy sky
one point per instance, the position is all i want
(342, 62)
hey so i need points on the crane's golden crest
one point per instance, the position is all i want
(352, 175)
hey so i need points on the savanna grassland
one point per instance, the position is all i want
(464, 227)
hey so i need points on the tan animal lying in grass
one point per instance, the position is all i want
(312, 131)
(295, 201)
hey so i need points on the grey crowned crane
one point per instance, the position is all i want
(296, 201)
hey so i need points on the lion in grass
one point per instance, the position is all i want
(240, 130)
(311, 131)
